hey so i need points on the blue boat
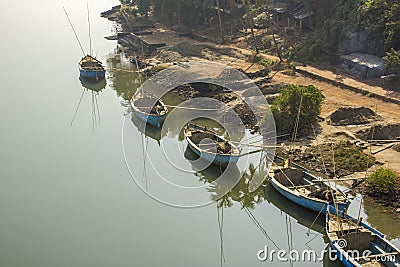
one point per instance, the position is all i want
(209, 146)
(150, 110)
(91, 68)
(358, 244)
(307, 190)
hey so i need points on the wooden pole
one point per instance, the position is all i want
(220, 24)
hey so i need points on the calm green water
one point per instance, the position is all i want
(66, 196)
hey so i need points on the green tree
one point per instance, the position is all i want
(184, 12)
(296, 107)
(143, 6)
(384, 180)
(382, 19)
(392, 61)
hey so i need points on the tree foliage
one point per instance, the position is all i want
(332, 20)
(384, 180)
(296, 103)
(392, 61)
(184, 12)
(382, 18)
(143, 6)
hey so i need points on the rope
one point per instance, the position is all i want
(118, 69)
(190, 108)
(312, 224)
(73, 29)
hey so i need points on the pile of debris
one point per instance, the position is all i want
(381, 132)
(353, 116)
(169, 56)
(187, 49)
(246, 114)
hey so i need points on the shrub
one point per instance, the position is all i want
(286, 107)
(392, 61)
(384, 180)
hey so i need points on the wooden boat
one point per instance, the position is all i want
(91, 68)
(358, 244)
(307, 190)
(214, 149)
(150, 110)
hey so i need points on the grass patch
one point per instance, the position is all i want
(384, 180)
(346, 156)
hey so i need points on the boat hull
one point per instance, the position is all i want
(306, 202)
(141, 110)
(346, 258)
(214, 158)
(346, 261)
(93, 75)
(154, 120)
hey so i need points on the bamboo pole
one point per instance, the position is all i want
(344, 179)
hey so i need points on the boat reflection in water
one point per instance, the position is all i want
(303, 216)
(212, 172)
(148, 130)
(93, 85)
(240, 191)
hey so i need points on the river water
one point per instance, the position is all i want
(66, 195)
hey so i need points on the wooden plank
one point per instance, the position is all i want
(383, 148)
(383, 141)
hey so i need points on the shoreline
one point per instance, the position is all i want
(164, 47)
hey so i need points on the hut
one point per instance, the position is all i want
(363, 65)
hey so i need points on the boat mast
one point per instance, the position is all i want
(73, 29)
(90, 37)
